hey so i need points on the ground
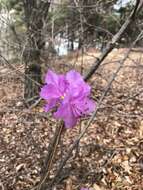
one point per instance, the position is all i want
(110, 155)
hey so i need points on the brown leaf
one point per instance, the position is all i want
(96, 187)
(69, 184)
(19, 167)
(141, 130)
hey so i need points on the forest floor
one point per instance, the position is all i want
(110, 155)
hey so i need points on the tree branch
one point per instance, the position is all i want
(94, 114)
(115, 39)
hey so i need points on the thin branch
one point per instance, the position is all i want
(51, 155)
(94, 114)
(22, 75)
(112, 43)
(109, 48)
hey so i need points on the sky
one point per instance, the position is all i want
(124, 2)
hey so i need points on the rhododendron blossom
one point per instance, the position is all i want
(69, 94)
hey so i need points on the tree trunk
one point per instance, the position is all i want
(33, 71)
(35, 16)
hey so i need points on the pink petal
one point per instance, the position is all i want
(90, 106)
(50, 105)
(65, 112)
(77, 83)
(49, 92)
(73, 77)
(51, 77)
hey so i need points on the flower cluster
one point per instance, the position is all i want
(69, 94)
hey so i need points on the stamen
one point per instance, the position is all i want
(62, 97)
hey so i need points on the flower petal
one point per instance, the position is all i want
(51, 77)
(62, 84)
(70, 94)
(89, 106)
(82, 106)
(49, 92)
(77, 83)
(50, 105)
(74, 77)
(65, 112)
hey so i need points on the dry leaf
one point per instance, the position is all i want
(126, 166)
(19, 167)
(96, 187)
(141, 130)
(69, 184)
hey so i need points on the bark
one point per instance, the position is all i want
(36, 13)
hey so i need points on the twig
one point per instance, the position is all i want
(113, 42)
(87, 126)
(1, 185)
(109, 48)
(51, 155)
(22, 75)
(93, 116)
(36, 103)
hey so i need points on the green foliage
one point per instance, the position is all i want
(93, 18)
(112, 23)
(97, 22)
(63, 15)
(9, 3)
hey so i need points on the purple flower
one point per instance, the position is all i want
(70, 94)
(77, 83)
(54, 89)
(84, 188)
(73, 106)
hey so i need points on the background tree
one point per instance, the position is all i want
(88, 23)
(35, 16)
(30, 18)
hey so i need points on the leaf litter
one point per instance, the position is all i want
(110, 155)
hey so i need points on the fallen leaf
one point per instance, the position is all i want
(96, 187)
(19, 167)
(69, 184)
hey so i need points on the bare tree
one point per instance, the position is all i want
(36, 13)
